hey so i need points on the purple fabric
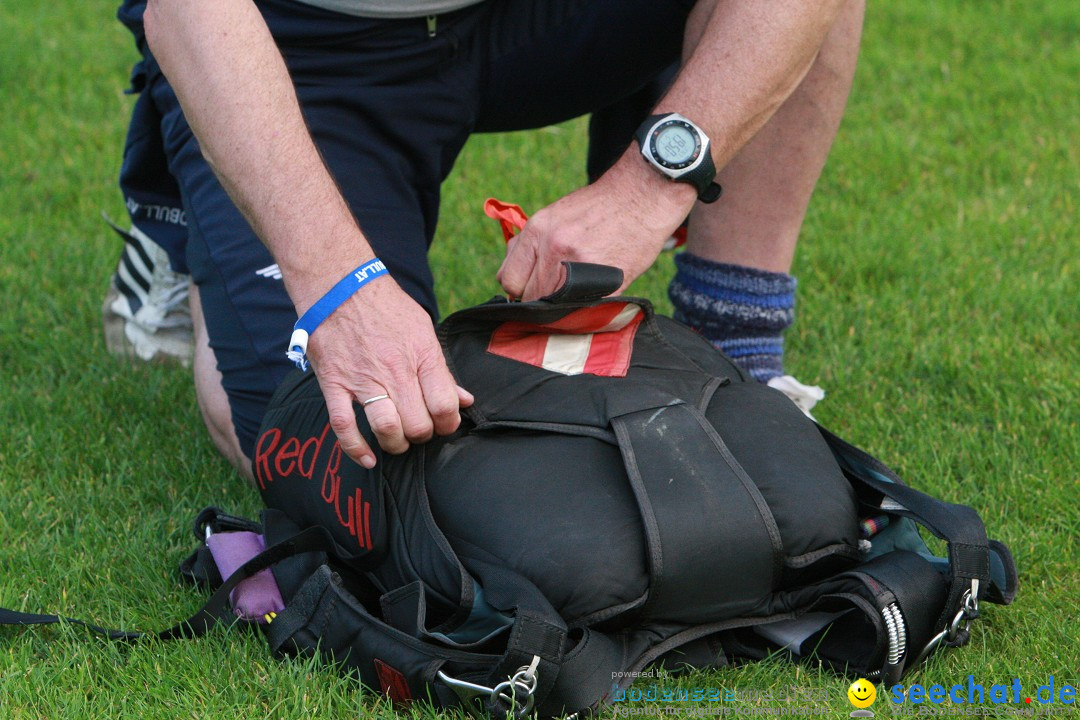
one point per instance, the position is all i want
(257, 596)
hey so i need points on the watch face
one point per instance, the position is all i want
(675, 144)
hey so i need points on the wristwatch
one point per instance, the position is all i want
(678, 148)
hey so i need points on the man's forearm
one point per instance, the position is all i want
(238, 98)
(743, 60)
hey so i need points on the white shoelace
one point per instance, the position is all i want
(804, 396)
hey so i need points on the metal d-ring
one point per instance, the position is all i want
(524, 681)
(506, 695)
(969, 610)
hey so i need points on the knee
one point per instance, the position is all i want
(217, 417)
(213, 401)
(219, 425)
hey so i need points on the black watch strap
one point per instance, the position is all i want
(643, 129)
(701, 178)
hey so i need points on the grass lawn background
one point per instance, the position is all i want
(937, 305)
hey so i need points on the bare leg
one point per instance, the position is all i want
(732, 285)
(768, 184)
(213, 402)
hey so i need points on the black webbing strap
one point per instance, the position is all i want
(584, 680)
(14, 617)
(958, 525)
(315, 539)
(684, 477)
(537, 630)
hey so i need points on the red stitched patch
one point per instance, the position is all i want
(392, 683)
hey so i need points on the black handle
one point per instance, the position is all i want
(585, 282)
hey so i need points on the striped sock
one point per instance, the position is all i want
(741, 310)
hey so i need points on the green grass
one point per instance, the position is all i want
(938, 305)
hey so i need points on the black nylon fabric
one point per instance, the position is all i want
(796, 473)
(589, 552)
(593, 554)
(916, 587)
(614, 519)
(300, 469)
(381, 527)
(541, 444)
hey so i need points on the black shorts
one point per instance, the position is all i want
(390, 107)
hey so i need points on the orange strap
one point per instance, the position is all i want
(511, 217)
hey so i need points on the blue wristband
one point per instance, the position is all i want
(327, 304)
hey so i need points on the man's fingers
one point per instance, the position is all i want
(415, 423)
(511, 279)
(441, 398)
(543, 281)
(516, 267)
(339, 405)
(385, 422)
(533, 265)
(533, 287)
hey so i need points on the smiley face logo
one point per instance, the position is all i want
(862, 693)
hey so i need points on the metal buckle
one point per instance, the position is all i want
(513, 697)
(469, 693)
(969, 610)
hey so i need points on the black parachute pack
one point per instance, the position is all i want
(621, 495)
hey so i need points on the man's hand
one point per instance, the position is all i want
(621, 220)
(380, 342)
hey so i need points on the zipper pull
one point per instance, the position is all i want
(432, 23)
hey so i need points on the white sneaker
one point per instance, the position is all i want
(146, 312)
(804, 396)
